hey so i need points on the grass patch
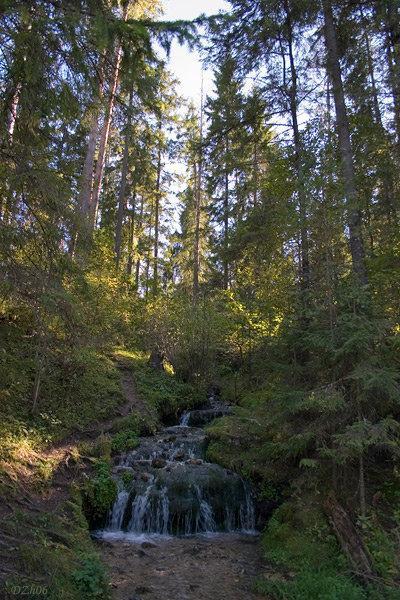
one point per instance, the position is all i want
(299, 544)
(161, 390)
(57, 555)
(124, 441)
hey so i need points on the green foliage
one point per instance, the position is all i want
(127, 478)
(298, 537)
(313, 585)
(86, 380)
(124, 441)
(163, 392)
(299, 544)
(90, 579)
(99, 492)
(381, 545)
(56, 550)
(279, 321)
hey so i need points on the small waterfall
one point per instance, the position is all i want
(206, 521)
(150, 512)
(184, 422)
(118, 510)
(247, 512)
(174, 491)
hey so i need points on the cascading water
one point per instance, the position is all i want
(184, 422)
(172, 490)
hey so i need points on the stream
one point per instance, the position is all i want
(181, 528)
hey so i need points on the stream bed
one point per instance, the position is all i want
(181, 527)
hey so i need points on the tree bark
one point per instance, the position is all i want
(226, 219)
(354, 218)
(122, 191)
(371, 73)
(131, 238)
(393, 57)
(86, 184)
(105, 133)
(157, 212)
(349, 539)
(298, 148)
(137, 272)
(12, 112)
(198, 202)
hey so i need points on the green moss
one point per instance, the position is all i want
(299, 544)
(57, 557)
(312, 585)
(298, 536)
(162, 391)
(127, 478)
(124, 441)
(99, 492)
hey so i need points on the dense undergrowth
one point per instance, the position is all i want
(52, 552)
(55, 556)
(263, 441)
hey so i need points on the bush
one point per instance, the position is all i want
(99, 493)
(90, 579)
(124, 441)
(313, 585)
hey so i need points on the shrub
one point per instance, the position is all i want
(90, 579)
(99, 493)
(124, 441)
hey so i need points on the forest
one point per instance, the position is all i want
(156, 254)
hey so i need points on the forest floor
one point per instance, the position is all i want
(196, 568)
(218, 568)
(60, 457)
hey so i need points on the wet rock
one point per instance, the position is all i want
(200, 418)
(148, 545)
(158, 463)
(194, 551)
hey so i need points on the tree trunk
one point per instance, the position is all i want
(226, 220)
(105, 133)
(122, 191)
(85, 195)
(131, 239)
(156, 360)
(196, 241)
(371, 73)
(157, 213)
(198, 202)
(393, 57)
(86, 183)
(353, 211)
(349, 539)
(255, 172)
(293, 94)
(12, 112)
(384, 168)
(137, 273)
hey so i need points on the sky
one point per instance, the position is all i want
(184, 64)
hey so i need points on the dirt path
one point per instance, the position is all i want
(60, 455)
(198, 568)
